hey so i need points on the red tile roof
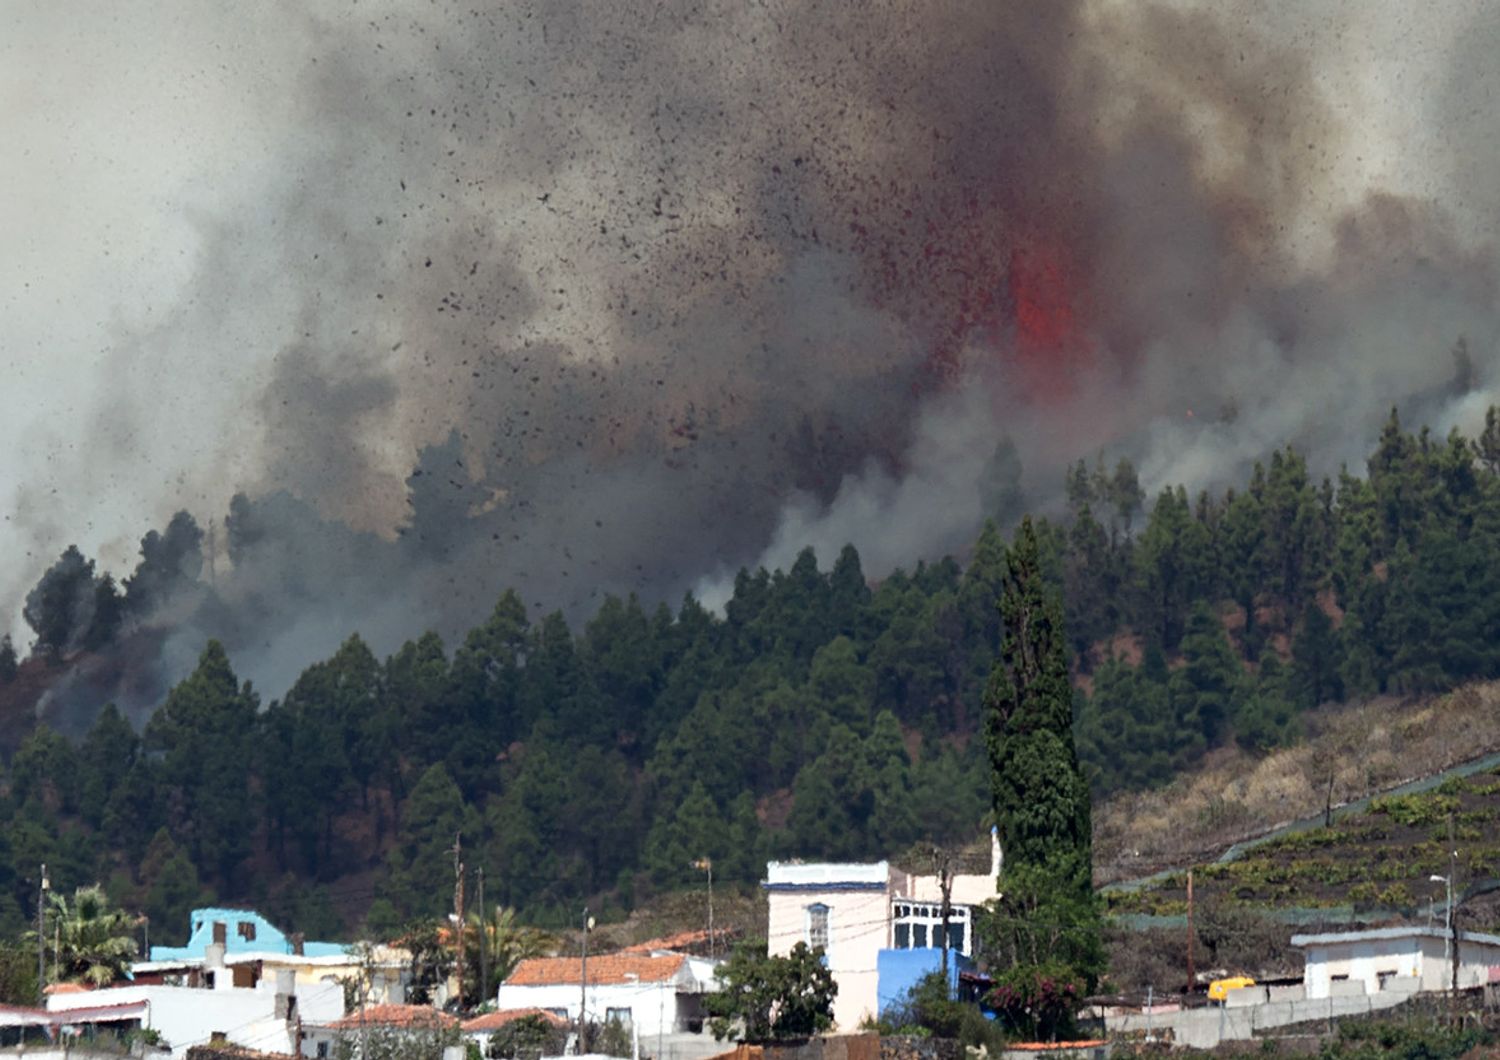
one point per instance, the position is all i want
(683, 940)
(66, 988)
(395, 1016)
(493, 1021)
(608, 969)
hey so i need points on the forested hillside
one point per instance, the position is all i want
(818, 716)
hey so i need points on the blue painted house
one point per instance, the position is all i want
(240, 931)
(900, 970)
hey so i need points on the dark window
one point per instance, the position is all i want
(919, 936)
(246, 930)
(903, 936)
(221, 933)
(322, 1050)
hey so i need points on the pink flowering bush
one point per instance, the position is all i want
(1038, 1001)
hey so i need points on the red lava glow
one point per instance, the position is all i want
(1051, 352)
(953, 267)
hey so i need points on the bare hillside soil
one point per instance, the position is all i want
(1351, 752)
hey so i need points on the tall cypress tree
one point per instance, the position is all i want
(1041, 800)
(1047, 914)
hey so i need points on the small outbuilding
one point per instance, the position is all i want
(1402, 959)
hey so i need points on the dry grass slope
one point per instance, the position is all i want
(1362, 749)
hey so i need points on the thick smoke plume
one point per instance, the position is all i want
(589, 298)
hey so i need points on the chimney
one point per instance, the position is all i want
(298, 941)
(286, 994)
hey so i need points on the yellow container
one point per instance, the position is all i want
(1219, 989)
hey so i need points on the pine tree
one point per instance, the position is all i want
(1487, 446)
(1206, 688)
(204, 733)
(432, 818)
(1041, 800)
(1315, 660)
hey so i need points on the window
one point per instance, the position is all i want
(956, 936)
(617, 1015)
(246, 930)
(221, 933)
(919, 926)
(322, 1051)
(1384, 977)
(817, 926)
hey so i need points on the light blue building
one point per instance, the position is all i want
(240, 931)
(900, 970)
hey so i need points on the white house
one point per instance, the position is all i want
(1405, 959)
(264, 1017)
(651, 993)
(856, 912)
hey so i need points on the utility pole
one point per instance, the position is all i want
(1453, 913)
(707, 865)
(583, 999)
(945, 885)
(458, 909)
(366, 983)
(1192, 978)
(484, 967)
(41, 938)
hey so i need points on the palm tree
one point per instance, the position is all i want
(506, 944)
(94, 942)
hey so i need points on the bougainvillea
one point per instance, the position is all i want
(1038, 1001)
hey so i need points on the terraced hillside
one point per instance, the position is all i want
(1374, 864)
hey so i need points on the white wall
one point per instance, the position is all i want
(185, 1016)
(858, 897)
(1419, 957)
(858, 929)
(653, 1006)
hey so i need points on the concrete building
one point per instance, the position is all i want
(1395, 958)
(249, 948)
(240, 931)
(857, 912)
(653, 994)
(265, 1017)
